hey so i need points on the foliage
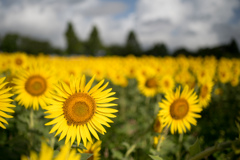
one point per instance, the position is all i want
(74, 46)
(131, 136)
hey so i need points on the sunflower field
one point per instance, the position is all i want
(119, 108)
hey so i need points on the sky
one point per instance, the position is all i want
(177, 23)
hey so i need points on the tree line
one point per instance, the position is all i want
(93, 46)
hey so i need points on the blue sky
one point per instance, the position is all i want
(177, 23)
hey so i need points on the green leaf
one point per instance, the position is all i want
(195, 148)
(85, 156)
(155, 157)
(117, 154)
(80, 146)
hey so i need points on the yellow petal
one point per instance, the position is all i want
(89, 84)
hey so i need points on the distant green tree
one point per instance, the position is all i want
(159, 49)
(132, 46)
(35, 47)
(232, 47)
(115, 50)
(74, 46)
(182, 51)
(9, 43)
(14, 42)
(229, 50)
(94, 44)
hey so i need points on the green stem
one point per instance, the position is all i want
(31, 123)
(213, 149)
(147, 101)
(165, 132)
(52, 142)
(178, 154)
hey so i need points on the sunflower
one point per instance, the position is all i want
(179, 110)
(94, 149)
(167, 83)
(5, 103)
(224, 74)
(19, 60)
(149, 84)
(158, 125)
(77, 110)
(118, 78)
(46, 153)
(205, 93)
(157, 139)
(33, 85)
(235, 81)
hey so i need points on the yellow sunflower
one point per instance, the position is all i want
(19, 60)
(5, 103)
(93, 149)
(158, 125)
(77, 110)
(167, 83)
(33, 86)
(179, 110)
(46, 153)
(157, 139)
(205, 93)
(149, 84)
(235, 81)
(118, 78)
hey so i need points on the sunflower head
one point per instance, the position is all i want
(5, 102)
(205, 93)
(94, 149)
(180, 109)
(149, 85)
(33, 86)
(78, 110)
(167, 83)
(158, 125)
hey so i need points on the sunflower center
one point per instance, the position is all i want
(179, 109)
(151, 83)
(157, 126)
(79, 108)
(36, 85)
(223, 74)
(202, 74)
(18, 61)
(204, 91)
(166, 83)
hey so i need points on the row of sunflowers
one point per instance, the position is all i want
(51, 94)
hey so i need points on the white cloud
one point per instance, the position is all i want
(182, 23)
(177, 23)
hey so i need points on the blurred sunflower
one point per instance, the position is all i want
(93, 149)
(77, 110)
(158, 125)
(5, 62)
(179, 110)
(205, 93)
(5, 103)
(235, 81)
(46, 153)
(33, 86)
(118, 78)
(224, 74)
(157, 139)
(19, 60)
(149, 84)
(167, 83)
